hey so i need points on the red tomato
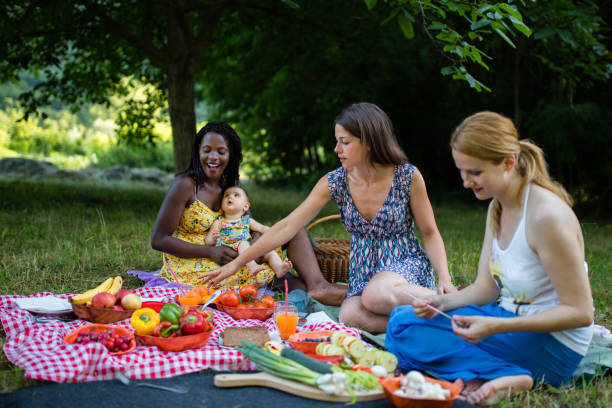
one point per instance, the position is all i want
(229, 298)
(261, 305)
(248, 292)
(269, 301)
(242, 306)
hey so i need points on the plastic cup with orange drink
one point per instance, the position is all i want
(286, 317)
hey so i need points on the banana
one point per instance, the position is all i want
(86, 297)
(116, 286)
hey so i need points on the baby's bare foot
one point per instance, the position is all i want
(282, 269)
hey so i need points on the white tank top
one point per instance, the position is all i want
(525, 286)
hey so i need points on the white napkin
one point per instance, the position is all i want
(45, 304)
(154, 299)
(318, 317)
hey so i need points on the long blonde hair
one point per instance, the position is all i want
(493, 137)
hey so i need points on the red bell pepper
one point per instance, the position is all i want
(193, 322)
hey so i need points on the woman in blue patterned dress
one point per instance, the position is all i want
(380, 197)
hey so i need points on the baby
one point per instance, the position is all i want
(233, 229)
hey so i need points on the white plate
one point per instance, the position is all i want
(44, 304)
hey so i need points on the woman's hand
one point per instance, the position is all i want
(222, 255)
(446, 287)
(218, 275)
(421, 309)
(473, 328)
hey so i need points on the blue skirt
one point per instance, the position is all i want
(430, 345)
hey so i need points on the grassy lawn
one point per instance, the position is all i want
(65, 237)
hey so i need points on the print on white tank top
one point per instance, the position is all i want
(525, 287)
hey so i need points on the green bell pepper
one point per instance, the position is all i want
(170, 313)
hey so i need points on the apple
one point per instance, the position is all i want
(118, 307)
(121, 294)
(103, 299)
(131, 301)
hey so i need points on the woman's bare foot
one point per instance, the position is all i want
(493, 391)
(467, 387)
(329, 293)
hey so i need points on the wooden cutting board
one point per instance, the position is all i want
(292, 387)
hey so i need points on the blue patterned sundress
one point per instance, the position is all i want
(387, 242)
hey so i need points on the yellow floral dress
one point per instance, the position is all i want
(193, 227)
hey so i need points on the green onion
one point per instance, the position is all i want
(277, 365)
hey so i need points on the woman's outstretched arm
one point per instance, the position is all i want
(279, 233)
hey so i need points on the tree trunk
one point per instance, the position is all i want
(180, 69)
(181, 102)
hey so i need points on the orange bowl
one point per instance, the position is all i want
(307, 342)
(179, 343)
(100, 314)
(121, 331)
(259, 313)
(390, 385)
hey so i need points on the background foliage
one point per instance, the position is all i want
(281, 70)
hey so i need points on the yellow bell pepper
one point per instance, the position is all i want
(144, 321)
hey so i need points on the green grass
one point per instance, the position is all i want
(63, 237)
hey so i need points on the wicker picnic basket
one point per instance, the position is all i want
(332, 253)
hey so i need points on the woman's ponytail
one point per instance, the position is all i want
(533, 168)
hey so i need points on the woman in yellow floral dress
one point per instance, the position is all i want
(192, 204)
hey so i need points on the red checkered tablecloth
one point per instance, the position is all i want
(39, 348)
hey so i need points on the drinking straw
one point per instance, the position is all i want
(286, 297)
(176, 277)
(460, 324)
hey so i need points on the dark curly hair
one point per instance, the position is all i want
(231, 175)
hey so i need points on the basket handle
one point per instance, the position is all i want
(321, 220)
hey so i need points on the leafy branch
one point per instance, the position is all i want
(458, 29)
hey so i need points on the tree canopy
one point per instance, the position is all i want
(281, 69)
(85, 48)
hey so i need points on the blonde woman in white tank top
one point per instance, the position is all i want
(532, 262)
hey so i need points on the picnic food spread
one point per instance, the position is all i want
(331, 363)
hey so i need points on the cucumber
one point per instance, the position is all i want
(387, 360)
(356, 349)
(337, 336)
(368, 359)
(308, 362)
(332, 350)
